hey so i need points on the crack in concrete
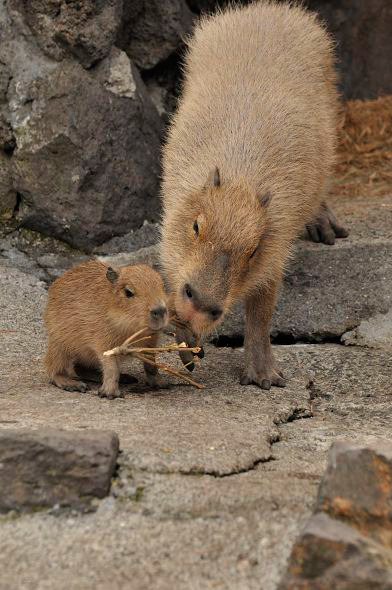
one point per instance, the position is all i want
(295, 413)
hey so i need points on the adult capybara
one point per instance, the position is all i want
(93, 308)
(246, 166)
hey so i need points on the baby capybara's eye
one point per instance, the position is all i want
(128, 292)
(196, 228)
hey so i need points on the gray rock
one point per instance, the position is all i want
(148, 255)
(330, 554)
(12, 258)
(146, 235)
(374, 333)
(86, 30)
(346, 544)
(52, 467)
(327, 291)
(357, 486)
(8, 198)
(86, 164)
(152, 29)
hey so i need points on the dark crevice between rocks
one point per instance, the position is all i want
(9, 146)
(281, 339)
(18, 203)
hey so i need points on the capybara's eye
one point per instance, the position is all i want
(129, 292)
(196, 228)
(253, 253)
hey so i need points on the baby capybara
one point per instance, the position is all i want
(93, 308)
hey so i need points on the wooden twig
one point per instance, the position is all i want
(123, 349)
(142, 353)
(169, 370)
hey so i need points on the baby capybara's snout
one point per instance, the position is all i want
(158, 316)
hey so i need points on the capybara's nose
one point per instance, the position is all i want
(159, 312)
(215, 312)
(203, 304)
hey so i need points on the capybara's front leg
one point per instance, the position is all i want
(110, 378)
(260, 368)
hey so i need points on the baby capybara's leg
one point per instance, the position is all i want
(150, 370)
(60, 370)
(111, 376)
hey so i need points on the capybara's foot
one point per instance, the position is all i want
(110, 392)
(262, 378)
(325, 228)
(69, 384)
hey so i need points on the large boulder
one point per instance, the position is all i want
(42, 468)
(85, 29)
(346, 544)
(153, 29)
(86, 161)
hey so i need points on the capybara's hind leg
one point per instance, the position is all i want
(324, 228)
(60, 370)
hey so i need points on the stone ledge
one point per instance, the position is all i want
(43, 468)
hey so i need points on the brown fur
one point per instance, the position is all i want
(88, 314)
(259, 102)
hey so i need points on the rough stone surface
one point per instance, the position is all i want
(357, 487)
(152, 29)
(347, 543)
(53, 467)
(375, 332)
(82, 158)
(86, 30)
(332, 555)
(148, 255)
(214, 484)
(146, 235)
(85, 157)
(8, 198)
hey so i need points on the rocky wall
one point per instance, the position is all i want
(85, 91)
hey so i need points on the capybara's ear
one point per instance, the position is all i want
(111, 275)
(265, 198)
(214, 178)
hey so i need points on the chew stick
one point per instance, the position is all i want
(142, 353)
(169, 370)
(141, 350)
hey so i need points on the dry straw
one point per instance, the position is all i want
(145, 354)
(365, 150)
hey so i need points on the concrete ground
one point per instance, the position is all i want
(212, 485)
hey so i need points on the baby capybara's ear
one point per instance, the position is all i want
(213, 179)
(111, 275)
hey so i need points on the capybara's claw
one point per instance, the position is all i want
(110, 394)
(263, 379)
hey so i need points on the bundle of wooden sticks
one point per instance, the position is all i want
(144, 353)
